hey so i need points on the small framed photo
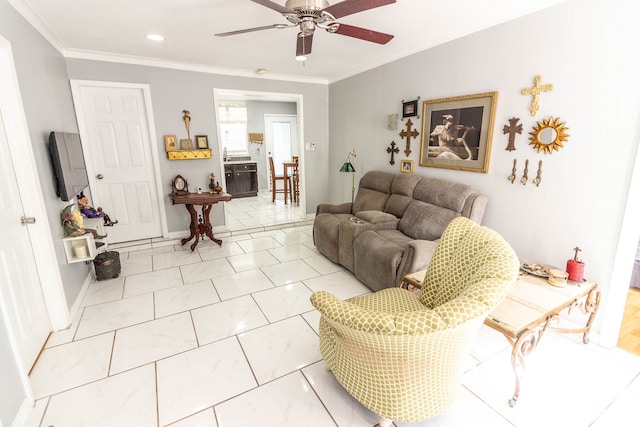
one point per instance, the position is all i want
(186, 144)
(409, 108)
(202, 141)
(170, 143)
(406, 166)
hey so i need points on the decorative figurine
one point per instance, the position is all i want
(90, 212)
(187, 122)
(212, 184)
(73, 223)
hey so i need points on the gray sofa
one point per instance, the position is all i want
(392, 227)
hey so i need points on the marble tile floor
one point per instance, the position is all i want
(260, 211)
(226, 336)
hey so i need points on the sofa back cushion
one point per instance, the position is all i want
(436, 203)
(401, 194)
(373, 191)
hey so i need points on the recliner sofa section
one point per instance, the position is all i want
(392, 227)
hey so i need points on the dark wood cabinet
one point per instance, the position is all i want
(241, 179)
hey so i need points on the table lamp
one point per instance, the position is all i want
(348, 167)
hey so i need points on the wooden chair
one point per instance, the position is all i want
(296, 181)
(275, 178)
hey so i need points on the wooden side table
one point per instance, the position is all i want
(201, 227)
(531, 308)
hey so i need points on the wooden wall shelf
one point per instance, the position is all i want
(189, 154)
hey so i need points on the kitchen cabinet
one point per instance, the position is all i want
(241, 179)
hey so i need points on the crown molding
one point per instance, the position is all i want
(27, 12)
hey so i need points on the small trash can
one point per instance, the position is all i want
(107, 265)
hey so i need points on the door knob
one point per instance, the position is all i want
(24, 220)
(99, 176)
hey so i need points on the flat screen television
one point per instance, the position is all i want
(69, 167)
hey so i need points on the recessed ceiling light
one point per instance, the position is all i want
(155, 37)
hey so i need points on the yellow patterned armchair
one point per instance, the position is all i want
(402, 355)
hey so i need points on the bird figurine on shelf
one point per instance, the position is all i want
(214, 186)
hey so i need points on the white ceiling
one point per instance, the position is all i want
(115, 30)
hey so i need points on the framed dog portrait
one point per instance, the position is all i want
(457, 132)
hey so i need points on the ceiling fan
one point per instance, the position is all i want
(309, 14)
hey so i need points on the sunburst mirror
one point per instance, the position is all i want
(548, 135)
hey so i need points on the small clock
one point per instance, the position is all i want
(179, 186)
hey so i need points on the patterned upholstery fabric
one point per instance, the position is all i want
(401, 355)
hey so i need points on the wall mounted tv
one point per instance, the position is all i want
(69, 168)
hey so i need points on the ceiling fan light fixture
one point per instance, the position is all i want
(303, 46)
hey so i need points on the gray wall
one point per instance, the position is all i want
(48, 106)
(46, 98)
(174, 90)
(582, 47)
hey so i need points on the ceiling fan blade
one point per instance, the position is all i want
(249, 30)
(348, 7)
(363, 34)
(303, 45)
(274, 6)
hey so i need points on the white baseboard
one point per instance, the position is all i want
(77, 304)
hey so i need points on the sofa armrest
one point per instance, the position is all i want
(344, 208)
(376, 217)
(416, 257)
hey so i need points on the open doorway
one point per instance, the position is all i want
(629, 338)
(259, 105)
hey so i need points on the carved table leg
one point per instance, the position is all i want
(591, 305)
(525, 344)
(193, 226)
(207, 229)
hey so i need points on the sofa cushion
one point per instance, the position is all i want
(376, 217)
(425, 221)
(373, 191)
(326, 233)
(401, 193)
(446, 194)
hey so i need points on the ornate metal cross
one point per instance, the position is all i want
(407, 134)
(535, 92)
(392, 150)
(512, 129)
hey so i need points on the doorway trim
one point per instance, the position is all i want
(76, 87)
(220, 94)
(627, 245)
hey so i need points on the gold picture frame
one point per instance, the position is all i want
(171, 143)
(202, 142)
(406, 166)
(457, 132)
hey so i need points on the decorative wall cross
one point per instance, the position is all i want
(407, 134)
(535, 92)
(392, 150)
(512, 129)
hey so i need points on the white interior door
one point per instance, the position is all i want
(117, 147)
(21, 296)
(280, 136)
